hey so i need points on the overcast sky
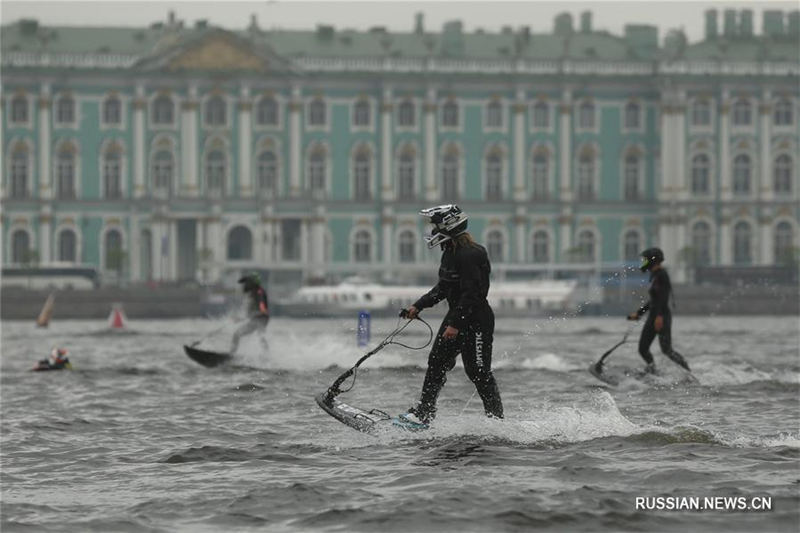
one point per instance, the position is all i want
(395, 15)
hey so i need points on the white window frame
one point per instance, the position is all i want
(753, 177)
(711, 237)
(60, 230)
(503, 156)
(504, 242)
(121, 125)
(623, 242)
(642, 113)
(151, 111)
(372, 171)
(28, 122)
(751, 126)
(29, 168)
(579, 127)
(325, 192)
(550, 116)
(370, 125)
(751, 243)
(792, 106)
(792, 173)
(638, 152)
(57, 123)
(353, 243)
(317, 127)
(459, 115)
(503, 115)
(226, 107)
(104, 151)
(532, 244)
(598, 247)
(459, 158)
(76, 169)
(711, 114)
(278, 112)
(416, 110)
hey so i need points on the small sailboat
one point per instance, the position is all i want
(47, 311)
(116, 320)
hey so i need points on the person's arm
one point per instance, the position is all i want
(470, 282)
(263, 303)
(430, 298)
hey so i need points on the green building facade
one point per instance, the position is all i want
(180, 152)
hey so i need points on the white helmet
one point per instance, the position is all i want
(448, 221)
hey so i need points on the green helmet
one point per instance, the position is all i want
(252, 278)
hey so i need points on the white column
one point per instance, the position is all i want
(387, 225)
(134, 248)
(725, 242)
(215, 244)
(386, 145)
(519, 108)
(172, 229)
(679, 125)
(139, 106)
(565, 233)
(245, 143)
(767, 192)
(565, 149)
(191, 179)
(304, 241)
(519, 234)
(295, 106)
(45, 232)
(680, 243)
(268, 235)
(726, 192)
(668, 148)
(431, 192)
(2, 144)
(766, 254)
(160, 258)
(45, 181)
(317, 252)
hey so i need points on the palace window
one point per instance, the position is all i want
(112, 111)
(450, 177)
(586, 168)
(407, 247)
(586, 118)
(701, 113)
(267, 112)
(317, 112)
(633, 117)
(362, 174)
(701, 243)
(19, 109)
(494, 114)
(701, 172)
(494, 176)
(586, 246)
(742, 170)
(362, 247)
(316, 170)
(541, 247)
(540, 176)
(216, 111)
(406, 176)
(450, 114)
(633, 169)
(782, 171)
(361, 115)
(494, 246)
(784, 244)
(290, 239)
(742, 113)
(783, 114)
(405, 114)
(742, 244)
(65, 110)
(114, 259)
(163, 110)
(67, 246)
(19, 172)
(112, 174)
(631, 246)
(20, 247)
(215, 172)
(267, 172)
(163, 171)
(65, 173)
(240, 244)
(541, 115)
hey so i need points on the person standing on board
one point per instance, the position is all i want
(468, 327)
(659, 318)
(257, 310)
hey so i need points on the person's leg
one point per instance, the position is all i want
(246, 329)
(477, 356)
(665, 341)
(646, 339)
(441, 359)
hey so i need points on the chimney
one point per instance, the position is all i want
(419, 23)
(563, 24)
(452, 40)
(201, 24)
(711, 24)
(586, 22)
(773, 24)
(29, 26)
(253, 22)
(729, 23)
(171, 18)
(325, 32)
(746, 23)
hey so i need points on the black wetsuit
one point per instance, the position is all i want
(464, 282)
(258, 311)
(660, 291)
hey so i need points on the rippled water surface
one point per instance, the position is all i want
(140, 438)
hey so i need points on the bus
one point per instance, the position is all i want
(50, 277)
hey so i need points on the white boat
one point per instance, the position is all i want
(523, 298)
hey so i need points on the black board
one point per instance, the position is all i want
(206, 358)
(603, 376)
(361, 419)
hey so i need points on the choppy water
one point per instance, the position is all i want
(140, 438)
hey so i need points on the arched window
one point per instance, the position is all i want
(541, 115)
(406, 171)
(450, 114)
(782, 171)
(316, 170)
(65, 172)
(633, 168)
(633, 115)
(405, 114)
(494, 114)
(631, 246)
(267, 112)
(742, 169)
(112, 110)
(701, 171)
(586, 246)
(586, 117)
(317, 112)
(20, 247)
(67, 246)
(450, 175)
(362, 247)
(784, 244)
(240, 244)
(215, 172)
(701, 243)
(19, 172)
(267, 172)
(742, 112)
(407, 247)
(494, 176)
(163, 171)
(742, 244)
(586, 169)
(361, 115)
(216, 111)
(19, 109)
(541, 247)
(114, 256)
(112, 174)
(362, 174)
(701, 113)
(163, 111)
(494, 245)
(65, 110)
(783, 115)
(541, 174)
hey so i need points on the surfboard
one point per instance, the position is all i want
(603, 376)
(206, 358)
(360, 419)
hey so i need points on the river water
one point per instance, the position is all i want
(140, 438)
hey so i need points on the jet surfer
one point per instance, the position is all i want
(659, 317)
(468, 327)
(58, 361)
(257, 310)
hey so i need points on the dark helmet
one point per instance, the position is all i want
(251, 280)
(650, 258)
(448, 221)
